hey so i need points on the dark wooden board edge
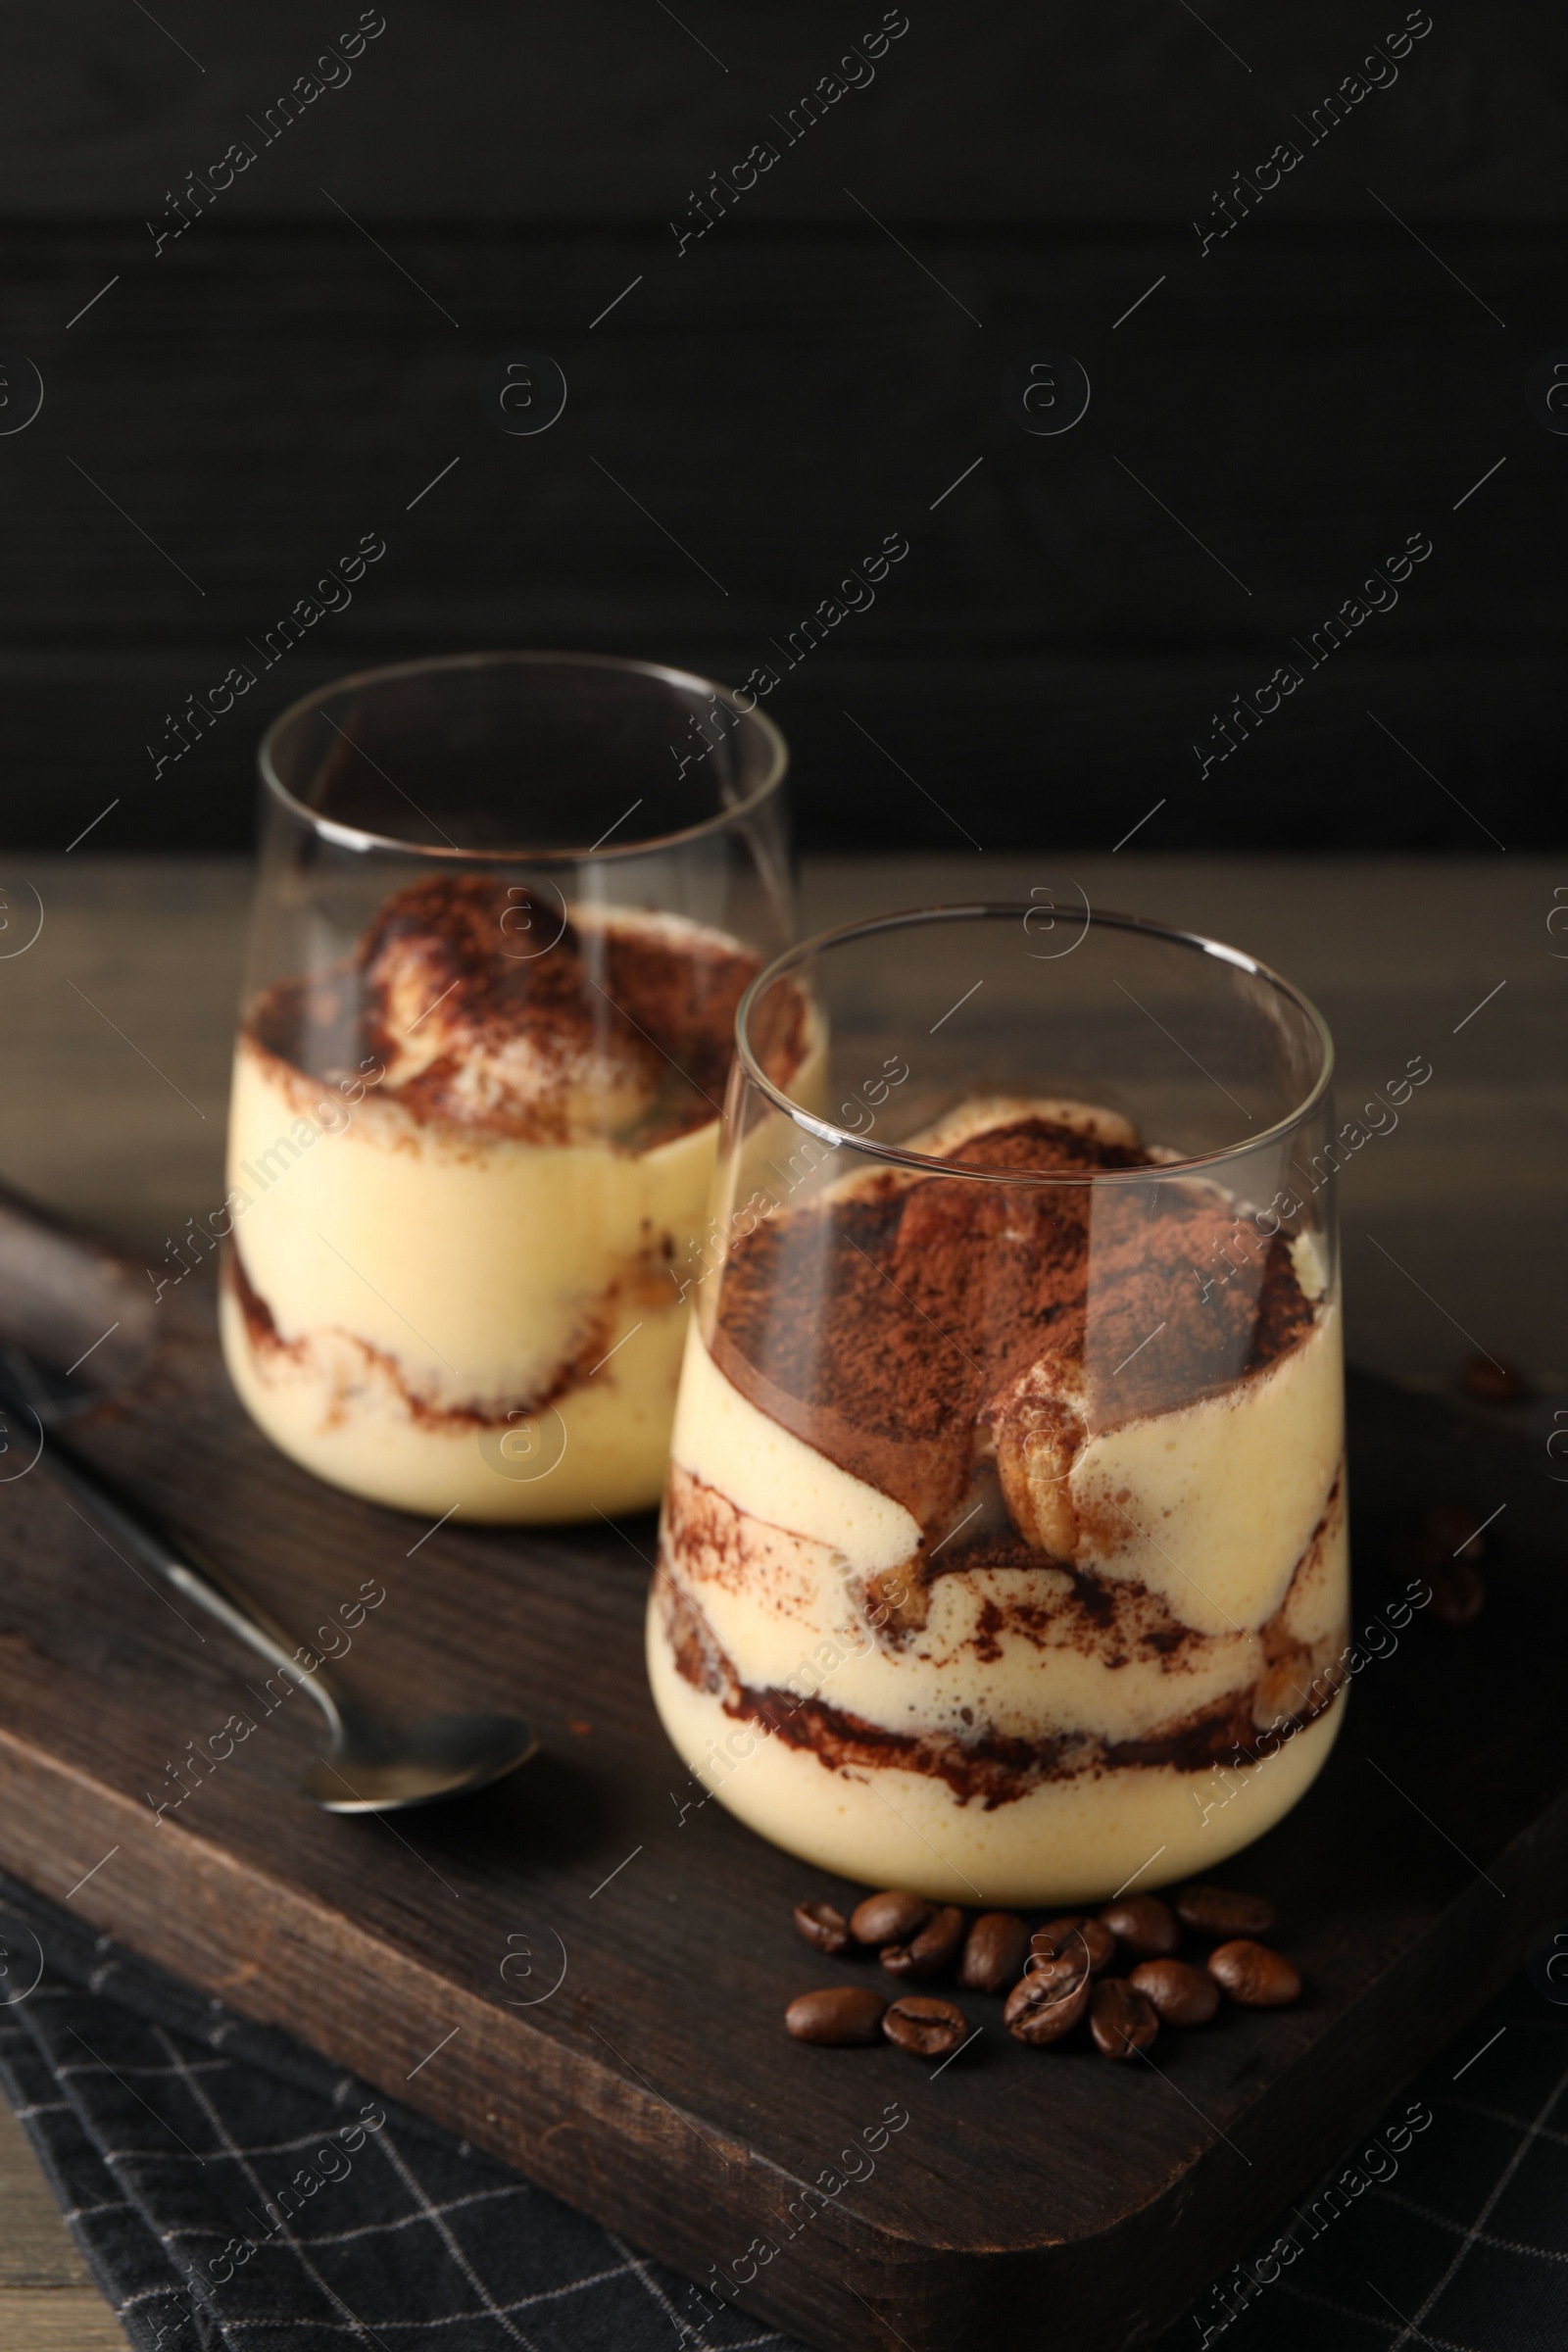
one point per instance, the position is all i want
(574, 2118)
(566, 2119)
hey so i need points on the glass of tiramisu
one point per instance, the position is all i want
(1003, 1548)
(507, 909)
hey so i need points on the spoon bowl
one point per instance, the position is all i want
(372, 1767)
(369, 1766)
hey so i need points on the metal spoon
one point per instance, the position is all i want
(369, 1766)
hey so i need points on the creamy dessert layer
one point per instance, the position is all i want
(466, 1173)
(976, 1575)
(1061, 1841)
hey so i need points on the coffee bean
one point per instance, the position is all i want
(1254, 1975)
(1048, 2001)
(995, 1952)
(1121, 2021)
(891, 1918)
(823, 1925)
(928, 1953)
(1090, 1938)
(1178, 1993)
(1458, 1593)
(1142, 1925)
(925, 2027)
(840, 2017)
(1498, 1383)
(1219, 1911)
(1456, 1530)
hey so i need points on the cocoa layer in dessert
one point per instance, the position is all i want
(488, 1007)
(467, 1165)
(1000, 1526)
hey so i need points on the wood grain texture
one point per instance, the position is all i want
(769, 403)
(71, 2319)
(1397, 951)
(101, 1097)
(653, 2084)
(37, 2255)
(48, 2302)
(611, 111)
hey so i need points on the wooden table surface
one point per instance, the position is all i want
(114, 1033)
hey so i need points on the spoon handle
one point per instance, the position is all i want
(211, 1588)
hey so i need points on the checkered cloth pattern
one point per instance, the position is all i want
(1453, 2235)
(170, 2129)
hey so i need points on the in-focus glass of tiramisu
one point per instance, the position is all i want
(1004, 1550)
(472, 1133)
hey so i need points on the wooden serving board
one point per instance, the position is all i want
(652, 2084)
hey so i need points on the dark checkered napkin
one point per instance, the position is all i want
(1446, 2227)
(233, 2193)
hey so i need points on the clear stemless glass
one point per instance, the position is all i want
(1003, 1548)
(506, 906)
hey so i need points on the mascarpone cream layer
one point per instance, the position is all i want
(1008, 1653)
(333, 1406)
(478, 1260)
(414, 1268)
(1209, 1506)
(1065, 1842)
(772, 1545)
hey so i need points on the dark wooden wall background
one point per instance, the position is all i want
(270, 386)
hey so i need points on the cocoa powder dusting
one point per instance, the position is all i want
(987, 1767)
(457, 973)
(886, 1328)
(952, 1344)
(710, 1540)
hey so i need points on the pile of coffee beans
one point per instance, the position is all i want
(1119, 1969)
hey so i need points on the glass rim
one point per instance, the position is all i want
(925, 1163)
(355, 837)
